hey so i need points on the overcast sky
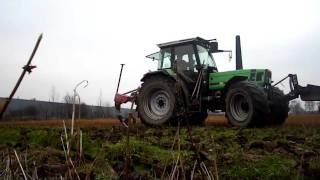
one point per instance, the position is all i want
(89, 39)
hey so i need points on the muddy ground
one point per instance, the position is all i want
(291, 151)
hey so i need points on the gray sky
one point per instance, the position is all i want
(89, 39)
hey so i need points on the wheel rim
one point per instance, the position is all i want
(239, 107)
(156, 104)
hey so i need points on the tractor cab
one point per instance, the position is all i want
(186, 56)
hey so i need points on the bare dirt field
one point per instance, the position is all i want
(306, 119)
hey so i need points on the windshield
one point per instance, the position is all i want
(163, 57)
(205, 57)
(154, 56)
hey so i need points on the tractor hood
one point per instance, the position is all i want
(218, 80)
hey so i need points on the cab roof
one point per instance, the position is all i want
(184, 41)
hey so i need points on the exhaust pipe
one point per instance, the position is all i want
(238, 54)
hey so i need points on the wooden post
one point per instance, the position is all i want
(26, 68)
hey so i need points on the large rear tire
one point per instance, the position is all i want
(246, 105)
(157, 101)
(279, 107)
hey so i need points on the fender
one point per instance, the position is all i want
(157, 73)
(232, 81)
(165, 74)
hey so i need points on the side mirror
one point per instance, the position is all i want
(230, 56)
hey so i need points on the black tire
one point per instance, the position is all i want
(246, 105)
(157, 102)
(279, 107)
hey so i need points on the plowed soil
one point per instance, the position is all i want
(291, 151)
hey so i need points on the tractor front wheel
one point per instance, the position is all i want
(246, 104)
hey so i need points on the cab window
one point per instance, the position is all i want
(184, 57)
(205, 57)
(165, 59)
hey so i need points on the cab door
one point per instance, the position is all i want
(184, 63)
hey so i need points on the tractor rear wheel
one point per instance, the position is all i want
(279, 107)
(157, 102)
(246, 104)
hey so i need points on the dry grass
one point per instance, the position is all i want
(216, 120)
(307, 119)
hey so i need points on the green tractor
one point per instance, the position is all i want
(187, 84)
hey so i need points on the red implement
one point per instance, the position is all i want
(121, 99)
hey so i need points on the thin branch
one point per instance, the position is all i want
(81, 144)
(66, 136)
(194, 167)
(204, 168)
(216, 168)
(24, 174)
(174, 141)
(74, 169)
(64, 149)
(175, 168)
(35, 172)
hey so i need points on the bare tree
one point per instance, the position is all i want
(100, 99)
(99, 103)
(68, 100)
(53, 94)
(318, 106)
(84, 110)
(295, 107)
(309, 106)
(108, 112)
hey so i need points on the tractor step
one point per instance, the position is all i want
(310, 93)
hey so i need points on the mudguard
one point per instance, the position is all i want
(159, 72)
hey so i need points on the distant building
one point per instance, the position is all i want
(33, 109)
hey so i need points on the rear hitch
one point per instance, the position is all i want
(308, 93)
(122, 99)
(119, 99)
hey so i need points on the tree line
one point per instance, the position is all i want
(53, 109)
(308, 107)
